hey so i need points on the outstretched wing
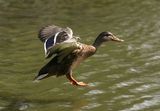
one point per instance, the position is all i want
(49, 31)
(57, 40)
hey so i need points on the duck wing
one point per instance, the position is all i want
(51, 30)
(62, 50)
(58, 41)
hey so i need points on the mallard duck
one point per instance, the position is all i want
(66, 51)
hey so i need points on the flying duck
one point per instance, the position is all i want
(66, 52)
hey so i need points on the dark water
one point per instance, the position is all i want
(122, 76)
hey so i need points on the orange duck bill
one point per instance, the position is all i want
(114, 38)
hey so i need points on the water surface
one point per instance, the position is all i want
(122, 76)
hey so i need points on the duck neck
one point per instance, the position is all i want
(97, 44)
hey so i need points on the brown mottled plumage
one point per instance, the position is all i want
(68, 53)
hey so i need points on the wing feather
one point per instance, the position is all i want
(58, 41)
(49, 31)
(62, 50)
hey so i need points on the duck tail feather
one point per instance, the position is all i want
(40, 77)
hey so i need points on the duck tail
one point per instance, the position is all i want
(40, 77)
(43, 73)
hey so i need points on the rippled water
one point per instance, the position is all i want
(122, 76)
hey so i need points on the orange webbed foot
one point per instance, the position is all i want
(73, 81)
(78, 83)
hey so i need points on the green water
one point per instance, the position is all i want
(122, 76)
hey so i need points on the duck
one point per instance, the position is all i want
(67, 52)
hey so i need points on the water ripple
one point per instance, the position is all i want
(91, 106)
(144, 88)
(125, 84)
(94, 92)
(94, 84)
(144, 105)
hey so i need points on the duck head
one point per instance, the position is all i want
(104, 37)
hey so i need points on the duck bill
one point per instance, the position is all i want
(114, 38)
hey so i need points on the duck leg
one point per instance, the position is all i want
(73, 81)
